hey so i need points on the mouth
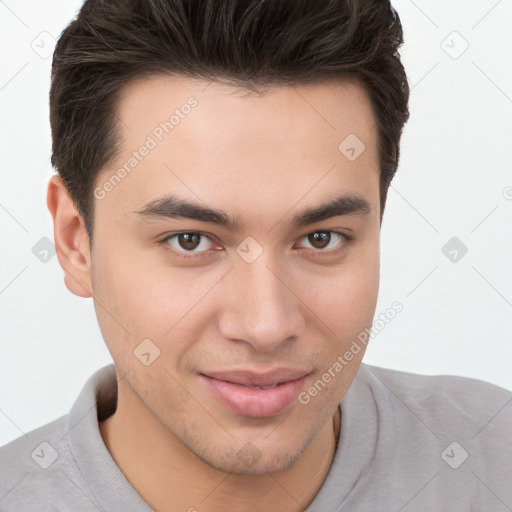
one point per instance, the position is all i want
(255, 395)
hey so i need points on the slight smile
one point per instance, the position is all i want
(256, 395)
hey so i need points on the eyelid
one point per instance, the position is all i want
(346, 239)
(188, 254)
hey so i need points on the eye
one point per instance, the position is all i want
(328, 241)
(191, 244)
(186, 243)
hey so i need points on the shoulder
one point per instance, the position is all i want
(28, 450)
(444, 402)
(29, 460)
(439, 385)
(38, 471)
(450, 434)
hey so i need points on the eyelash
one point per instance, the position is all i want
(189, 255)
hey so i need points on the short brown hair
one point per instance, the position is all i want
(248, 43)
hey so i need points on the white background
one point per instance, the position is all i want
(452, 181)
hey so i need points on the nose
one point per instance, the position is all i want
(262, 310)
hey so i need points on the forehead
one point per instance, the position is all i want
(207, 139)
(225, 112)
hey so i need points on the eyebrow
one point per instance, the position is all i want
(171, 206)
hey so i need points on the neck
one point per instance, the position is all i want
(159, 467)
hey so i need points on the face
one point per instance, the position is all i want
(252, 284)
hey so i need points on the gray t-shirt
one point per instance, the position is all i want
(407, 443)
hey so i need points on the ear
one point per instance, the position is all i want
(71, 239)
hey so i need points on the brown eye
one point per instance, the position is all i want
(189, 241)
(319, 239)
(327, 241)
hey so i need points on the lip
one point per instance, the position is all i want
(233, 389)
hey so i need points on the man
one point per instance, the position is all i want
(222, 175)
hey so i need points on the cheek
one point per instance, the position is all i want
(346, 303)
(346, 296)
(136, 299)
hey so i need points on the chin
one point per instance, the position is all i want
(261, 467)
(250, 460)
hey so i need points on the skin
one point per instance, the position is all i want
(261, 159)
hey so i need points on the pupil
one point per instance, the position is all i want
(319, 239)
(189, 240)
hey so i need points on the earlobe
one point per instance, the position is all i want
(71, 239)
